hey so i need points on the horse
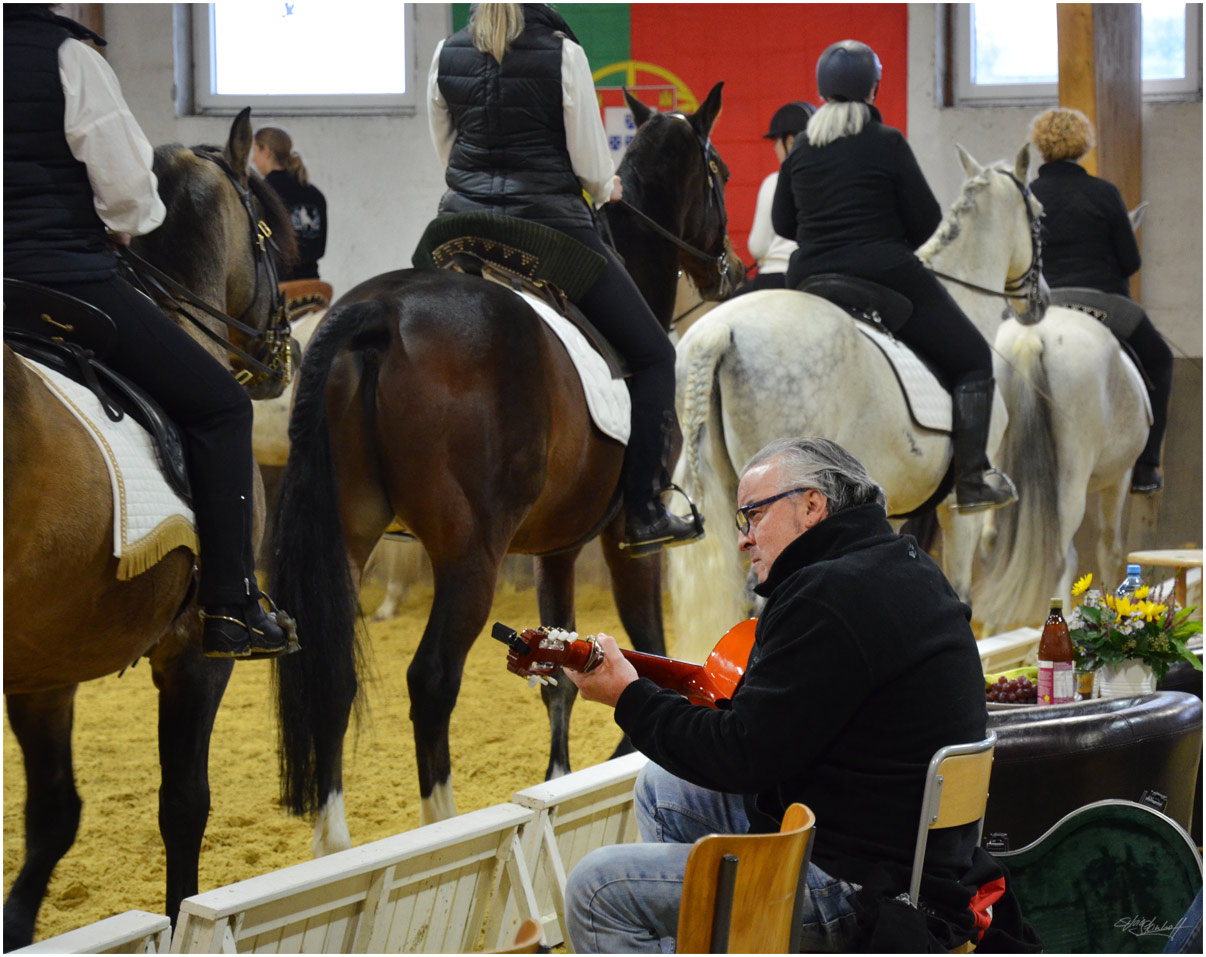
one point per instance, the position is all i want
(59, 529)
(1079, 416)
(781, 362)
(442, 400)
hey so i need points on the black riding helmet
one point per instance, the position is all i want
(848, 71)
(789, 120)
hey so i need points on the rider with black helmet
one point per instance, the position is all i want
(772, 251)
(856, 201)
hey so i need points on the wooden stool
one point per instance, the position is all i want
(1178, 558)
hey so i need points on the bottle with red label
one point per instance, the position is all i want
(1056, 678)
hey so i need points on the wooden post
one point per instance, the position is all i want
(1100, 74)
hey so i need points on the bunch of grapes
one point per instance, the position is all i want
(1020, 690)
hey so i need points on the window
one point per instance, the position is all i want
(1008, 52)
(355, 56)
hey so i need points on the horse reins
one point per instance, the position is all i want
(275, 339)
(1028, 286)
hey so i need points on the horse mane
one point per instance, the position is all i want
(949, 230)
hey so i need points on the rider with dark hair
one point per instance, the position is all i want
(1088, 241)
(282, 168)
(852, 194)
(77, 175)
(515, 121)
(772, 251)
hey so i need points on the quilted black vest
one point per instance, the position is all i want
(51, 230)
(510, 154)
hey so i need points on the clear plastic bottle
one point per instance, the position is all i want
(1129, 584)
(1056, 678)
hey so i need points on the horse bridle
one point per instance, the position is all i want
(1029, 285)
(272, 357)
(714, 195)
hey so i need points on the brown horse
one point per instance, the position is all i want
(67, 617)
(444, 400)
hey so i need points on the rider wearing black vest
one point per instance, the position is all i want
(76, 162)
(1088, 241)
(497, 92)
(855, 200)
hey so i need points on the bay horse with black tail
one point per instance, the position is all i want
(67, 616)
(444, 400)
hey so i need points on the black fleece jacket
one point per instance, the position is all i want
(863, 666)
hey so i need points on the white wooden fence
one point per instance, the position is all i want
(134, 932)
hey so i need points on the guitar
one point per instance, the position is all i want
(538, 654)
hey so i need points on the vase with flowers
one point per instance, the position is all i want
(1133, 640)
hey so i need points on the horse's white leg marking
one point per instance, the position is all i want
(439, 806)
(331, 827)
(556, 770)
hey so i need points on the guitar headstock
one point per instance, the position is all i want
(540, 653)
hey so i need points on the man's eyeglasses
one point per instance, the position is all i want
(746, 511)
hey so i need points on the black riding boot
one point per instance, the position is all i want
(977, 485)
(649, 526)
(1158, 365)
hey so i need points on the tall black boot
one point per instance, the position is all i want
(1146, 478)
(978, 486)
(649, 526)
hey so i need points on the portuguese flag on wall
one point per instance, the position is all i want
(671, 54)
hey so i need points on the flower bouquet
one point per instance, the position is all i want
(1107, 631)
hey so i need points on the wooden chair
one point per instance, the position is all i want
(742, 893)
(956, 793)
(527, 939)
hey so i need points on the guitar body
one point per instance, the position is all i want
(540, 654)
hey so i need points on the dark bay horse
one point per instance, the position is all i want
(444, 400)
(67, 617)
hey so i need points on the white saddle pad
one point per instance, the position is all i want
(607, 398)
(929, 403)
(149, 518)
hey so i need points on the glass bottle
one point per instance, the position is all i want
(1056, 679)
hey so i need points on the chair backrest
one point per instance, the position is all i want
(956, 793)
(742, 893)
(1112, 877)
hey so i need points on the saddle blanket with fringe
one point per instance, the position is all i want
(607, 398)
(929, 403)
(149, 518)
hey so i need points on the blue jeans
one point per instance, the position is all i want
(623, 899)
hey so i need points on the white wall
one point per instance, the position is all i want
(382, 180)
(1171, 239)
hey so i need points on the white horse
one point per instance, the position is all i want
(781, 362)
(1079, 416)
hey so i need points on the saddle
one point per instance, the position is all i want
(69, 336)
(865, 300)
(1120, 314)
(525, 257)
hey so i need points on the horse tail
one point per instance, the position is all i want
(310, 575)
(1027, 556)
(703, 611)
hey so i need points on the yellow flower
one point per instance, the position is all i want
(1112, 602)
(1082, 585)
(1124, 607)
(1142, 591)
(1152, 611)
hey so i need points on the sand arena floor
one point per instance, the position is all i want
(499, 745)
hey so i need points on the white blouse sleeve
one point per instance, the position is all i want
(762, 232)
(105, 137)
(439, 119)
(584, 134)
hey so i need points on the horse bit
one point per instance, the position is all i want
(1029, 285)
(715, 193)
(272, 357)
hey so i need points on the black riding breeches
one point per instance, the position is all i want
(938, 329)
(213, 413)
(617, 309)
(1157, 361)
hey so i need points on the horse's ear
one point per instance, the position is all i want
(640, 112)
(238, 147)
(704, 118)
(970, 166)
(1021, 165)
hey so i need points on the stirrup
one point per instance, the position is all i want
(650, 546)
(1010, 489)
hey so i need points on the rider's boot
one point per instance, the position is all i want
(1146, 478)
(978, 486)
(648, 525)
(247, 630)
